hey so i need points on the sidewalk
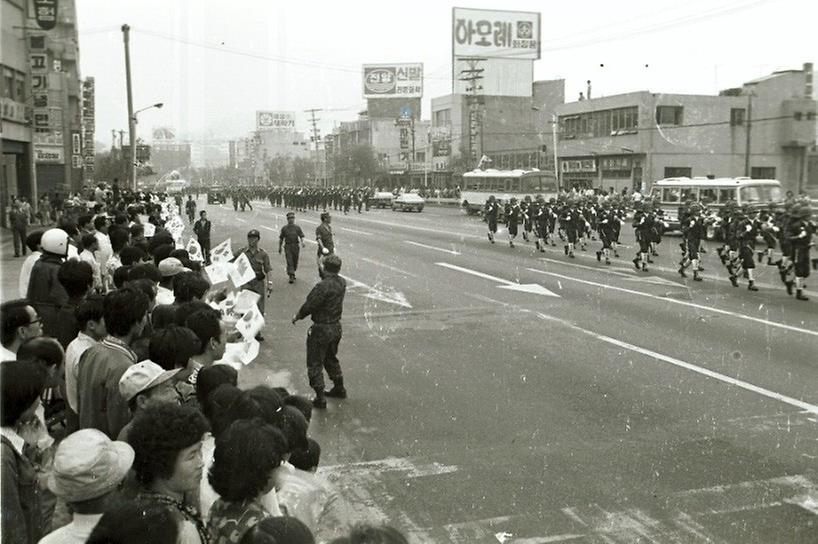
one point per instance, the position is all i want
(9, 267)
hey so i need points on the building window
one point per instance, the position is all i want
(420, 156)
(443, 117)
(737, 116)
(8, 83)
(797, 115)
(669, 115)
(762, 172)
(678, 172)
(810, 116)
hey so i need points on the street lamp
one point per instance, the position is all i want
(132, 130)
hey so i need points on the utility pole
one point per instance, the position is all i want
(749, 130)
(472, 75)
(315, 139)
(412, 156)
(131, 121)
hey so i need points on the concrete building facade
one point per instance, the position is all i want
(633, 139)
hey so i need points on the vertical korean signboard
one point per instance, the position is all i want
(45, 13)
(88, 118)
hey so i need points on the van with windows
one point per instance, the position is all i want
(713, 193)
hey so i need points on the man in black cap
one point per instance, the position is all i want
(325, 240)
(260, 262)
(291, 237)
(325, 304)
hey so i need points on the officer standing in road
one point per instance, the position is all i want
(325, 239)
(291, 237)
(202, 230)
(260, 262)
(325, 304)
(190, 208)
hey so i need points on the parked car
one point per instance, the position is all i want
(216, 196)
(408, 202)
(382, 199)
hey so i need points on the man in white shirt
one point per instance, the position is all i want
(88, 468)
(90, 247)
(105, 250)
(92, 329)
(33, 243)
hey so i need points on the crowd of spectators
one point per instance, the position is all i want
(123, 423)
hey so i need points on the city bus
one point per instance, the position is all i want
(504, 184)
(713, 194)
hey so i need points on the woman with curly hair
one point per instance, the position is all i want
(246, 455)
(167, 442)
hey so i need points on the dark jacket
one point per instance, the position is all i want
(21, 509)
(45, 292)
(326, 300)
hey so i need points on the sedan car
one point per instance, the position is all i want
(408, 202)
(216, 196)
(381, 200)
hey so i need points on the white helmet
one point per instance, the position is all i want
(55, 241)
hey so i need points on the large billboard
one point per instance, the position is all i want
(495, 34)
(283, 121)
(393, 80)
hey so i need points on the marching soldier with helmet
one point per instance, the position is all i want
(800, 230)
(491, 211)
(694, 230)
(513, 216)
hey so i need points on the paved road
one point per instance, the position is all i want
(503, 394)
(506, 395)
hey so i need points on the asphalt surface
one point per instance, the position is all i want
(500, 394)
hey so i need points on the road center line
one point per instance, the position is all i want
(268, 228)
(475, 273)
(449, 251)
(680, 302)
(811, 408)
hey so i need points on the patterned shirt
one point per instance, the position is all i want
(230, 520)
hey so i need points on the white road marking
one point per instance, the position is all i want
(356, 231)
(392, 297)
(269, 228)
(812, 408)
(388, 267)
(240, 220)
(533, 288)
(449, 251)
(681, 302)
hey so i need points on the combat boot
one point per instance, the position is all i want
(320, 400)
(338, 390)
(599, 256)
(799, 294)
(751, 287)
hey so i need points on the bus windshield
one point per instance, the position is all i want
(754, 194)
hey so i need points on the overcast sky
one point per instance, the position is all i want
(213, 63)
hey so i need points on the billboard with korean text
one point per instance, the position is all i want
(393, 80)
(283, 121)
(495, 34)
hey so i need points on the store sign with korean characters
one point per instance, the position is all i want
(282, 121)
(495, 34)
(49, 154)
(45, 13)
(393, 80)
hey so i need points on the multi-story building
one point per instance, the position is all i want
(513, 131)
(765, 129)
(17, 160)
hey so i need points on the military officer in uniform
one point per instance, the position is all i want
(291, 238)
(325, 239)
(325, 304)
(202, 230)
(260, 262)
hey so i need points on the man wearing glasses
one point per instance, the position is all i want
(20, 322)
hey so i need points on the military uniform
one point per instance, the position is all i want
(202, 230)
(325, 304)
(260, 262)
(292, 237)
